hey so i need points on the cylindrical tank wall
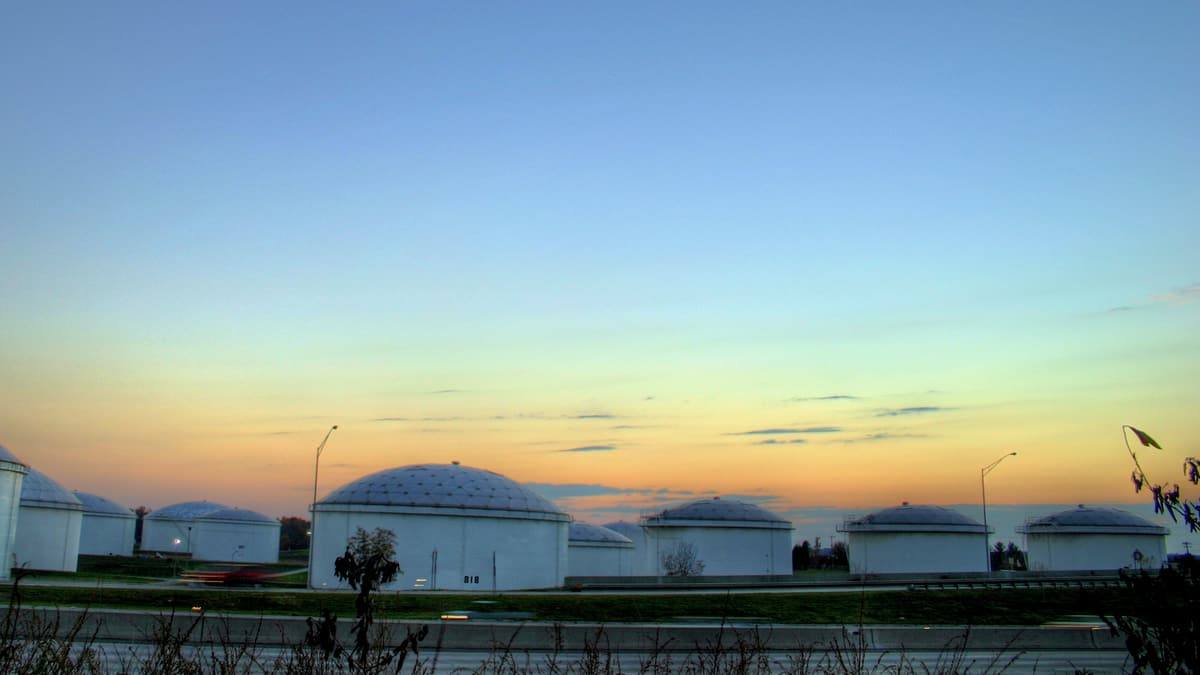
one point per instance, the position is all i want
(451, 552)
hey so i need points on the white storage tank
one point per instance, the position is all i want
(1090, 538)
(107, 528)
(729, 537)
(211, 531)
(169, 529)
(595, 551)
(915, 539)
(456, 528)
(236, 535)
(12, 476)
(48, 526)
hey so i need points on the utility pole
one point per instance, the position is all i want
(987, 544)
(312, 517)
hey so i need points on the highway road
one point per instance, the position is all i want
(119, 657)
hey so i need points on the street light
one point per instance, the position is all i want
(313, 509)
(987, 544)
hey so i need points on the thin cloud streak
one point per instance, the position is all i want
(882, 436)
(913, 410)
(590, 500)
(484, 418)
(590, 448)
(1179, 295)
(574, 490)
(419, 419)
(786, 430)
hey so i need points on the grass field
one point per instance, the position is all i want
(941, 607)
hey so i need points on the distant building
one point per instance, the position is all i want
(107, 527)
(456, 527)
(1093, 539)
(730, 537)
(12, 476)
(910, 539)
(48, 526)
(211, 531)
(595, 551)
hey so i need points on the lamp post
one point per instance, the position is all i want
(987, 544)
(313, 508)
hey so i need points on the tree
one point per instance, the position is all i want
(293, 533)
(141, 512)
(1016, 558)
(801, 556)
(1161, 621)
(679, 560)
(381, 542)
(1007, 558)
(1166, 499)
(366, 565)
(839, 555)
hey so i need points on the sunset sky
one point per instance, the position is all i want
(818, 255)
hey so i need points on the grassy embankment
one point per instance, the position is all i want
(961, 607)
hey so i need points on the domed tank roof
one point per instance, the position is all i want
(595, 534)
(185, 511)
(38, 490)
(442, 486)
(100, 506)
(717, 509)
(1084, 519)
(909, 517)
(240, 515)
(7, 459)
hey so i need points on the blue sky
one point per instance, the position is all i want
(517, 229)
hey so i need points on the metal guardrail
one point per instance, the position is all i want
(911, 582)
(998, 584)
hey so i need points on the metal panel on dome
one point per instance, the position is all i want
(239, 515)
(441, 486)
(99, 505)
(185, 511)
(38, 489)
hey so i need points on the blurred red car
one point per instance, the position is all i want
(228, 575)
